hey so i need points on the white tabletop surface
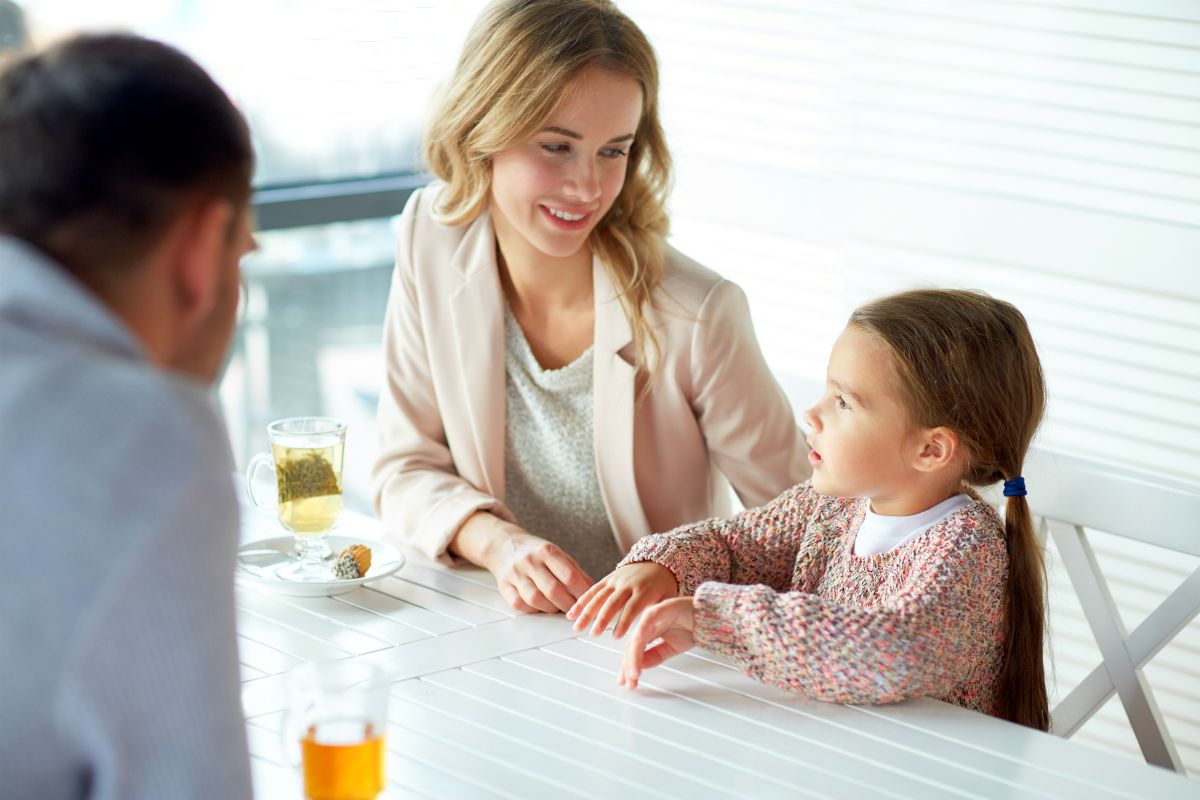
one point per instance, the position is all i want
(489, 703)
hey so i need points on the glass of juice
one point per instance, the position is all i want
(306, 456)
(334, 728)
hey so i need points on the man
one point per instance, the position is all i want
(124, 187)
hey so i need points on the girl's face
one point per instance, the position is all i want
(860, 441)
(550, 191)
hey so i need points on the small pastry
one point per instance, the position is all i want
(353, 562)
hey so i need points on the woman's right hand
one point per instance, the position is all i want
(627, 592)
(531, 573)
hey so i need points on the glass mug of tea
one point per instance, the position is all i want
(306, 456)
(334, 726)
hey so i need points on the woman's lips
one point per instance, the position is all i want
(814, 458)
(566, 224)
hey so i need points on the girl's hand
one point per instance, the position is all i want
(531, 573)
(625, 591)
(674, 621)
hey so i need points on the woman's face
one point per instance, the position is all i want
(551, 190)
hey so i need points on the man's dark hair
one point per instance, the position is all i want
(104, 140)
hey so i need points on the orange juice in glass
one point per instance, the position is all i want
(337, 714)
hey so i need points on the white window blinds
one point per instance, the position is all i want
(1045, 152)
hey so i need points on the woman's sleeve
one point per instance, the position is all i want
(746, 418)
(756, 546)
(923, 642)
(418, 494)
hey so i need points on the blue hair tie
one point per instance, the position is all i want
(1015, 488)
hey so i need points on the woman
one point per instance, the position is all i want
(551, 361)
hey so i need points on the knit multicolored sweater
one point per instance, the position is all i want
(779, 590)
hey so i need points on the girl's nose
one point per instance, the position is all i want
(810, 417)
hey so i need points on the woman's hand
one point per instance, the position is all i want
(536, 575)
(674, 621)
(531, 573)
(625, 591)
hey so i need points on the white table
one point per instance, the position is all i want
(487, 703)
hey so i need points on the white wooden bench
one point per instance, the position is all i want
(1069, 495)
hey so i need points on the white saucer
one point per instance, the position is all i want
(259, 561)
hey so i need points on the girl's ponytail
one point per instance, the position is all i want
(968, 361)
(1022, 674)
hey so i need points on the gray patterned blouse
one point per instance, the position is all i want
(549, 456)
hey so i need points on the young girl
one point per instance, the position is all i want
(560, 381)
(884, 577)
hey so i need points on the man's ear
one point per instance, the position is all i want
(199, 253)
(938, 449)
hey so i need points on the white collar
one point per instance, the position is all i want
(879, 534)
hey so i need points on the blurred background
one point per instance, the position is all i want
(1046, 152)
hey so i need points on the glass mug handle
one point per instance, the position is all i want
(256, 462)
(290, 734)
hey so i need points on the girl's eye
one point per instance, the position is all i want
(840, 401)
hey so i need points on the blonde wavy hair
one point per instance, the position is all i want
(521, 60)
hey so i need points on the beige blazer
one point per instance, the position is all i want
(714, 411)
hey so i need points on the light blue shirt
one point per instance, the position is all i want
(118, 527)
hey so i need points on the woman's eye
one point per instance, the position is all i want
(614, 152)
(555, 148)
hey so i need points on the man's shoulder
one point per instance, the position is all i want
(83, 418)
(171, 420)
(122, 395)
(116, 458)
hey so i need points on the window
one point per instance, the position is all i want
(335, 93)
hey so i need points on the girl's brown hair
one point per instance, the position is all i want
(967, 361)
(521, 60)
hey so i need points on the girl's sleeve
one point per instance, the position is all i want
(418, 493)
(748, 423)
(924, 641)
(758, 545)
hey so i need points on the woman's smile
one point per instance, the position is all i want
(551, 190)
(566, 220)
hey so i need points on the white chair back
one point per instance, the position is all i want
(1068, 494)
